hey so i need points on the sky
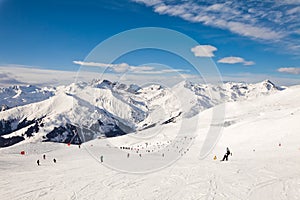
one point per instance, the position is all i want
(246, 40)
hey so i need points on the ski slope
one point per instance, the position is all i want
(262, 133)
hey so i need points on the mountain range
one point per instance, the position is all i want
(82, 111)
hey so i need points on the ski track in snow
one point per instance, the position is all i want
(184, 180)
(195, 182)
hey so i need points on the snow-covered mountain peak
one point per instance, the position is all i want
(19, 95)
(115, 86)
(102, 83)
(269, 85)
(197, 97)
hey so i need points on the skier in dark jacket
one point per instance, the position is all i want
(38, 162)
(226, 155)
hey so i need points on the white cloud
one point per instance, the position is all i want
(272, 22)
(161, 9)
(148, 2)
(222, 15)
(119, 68)
(235, 60)
(297, 31)
(92, 64)
(163, 71)
(24, 75)
(253, 31)
(231, 60)
(216, 7)
(289, 70)
(124, 67)
(293, 10)
(204, 50)
(289, 2)
(249, 63)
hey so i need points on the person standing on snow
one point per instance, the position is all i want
(44, 156)
(38, 162)
(226, 154)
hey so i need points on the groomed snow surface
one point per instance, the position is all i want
(163, 162)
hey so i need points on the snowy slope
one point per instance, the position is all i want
(263, 135)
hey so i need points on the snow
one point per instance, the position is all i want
(262, 132)
(22, 95)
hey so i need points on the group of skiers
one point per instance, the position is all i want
(44, 157)
(225, 157)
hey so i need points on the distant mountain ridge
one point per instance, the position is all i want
(81, 112)
(21, 95)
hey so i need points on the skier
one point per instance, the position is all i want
(44, 156)
(38, 162)
(101, 158)
(226, 155)
(54, 160)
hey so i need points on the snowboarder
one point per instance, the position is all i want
(44, 156)
(38, 162)
(226, 155)
(101, 159)
(54, 160)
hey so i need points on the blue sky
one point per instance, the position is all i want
(256, 38)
